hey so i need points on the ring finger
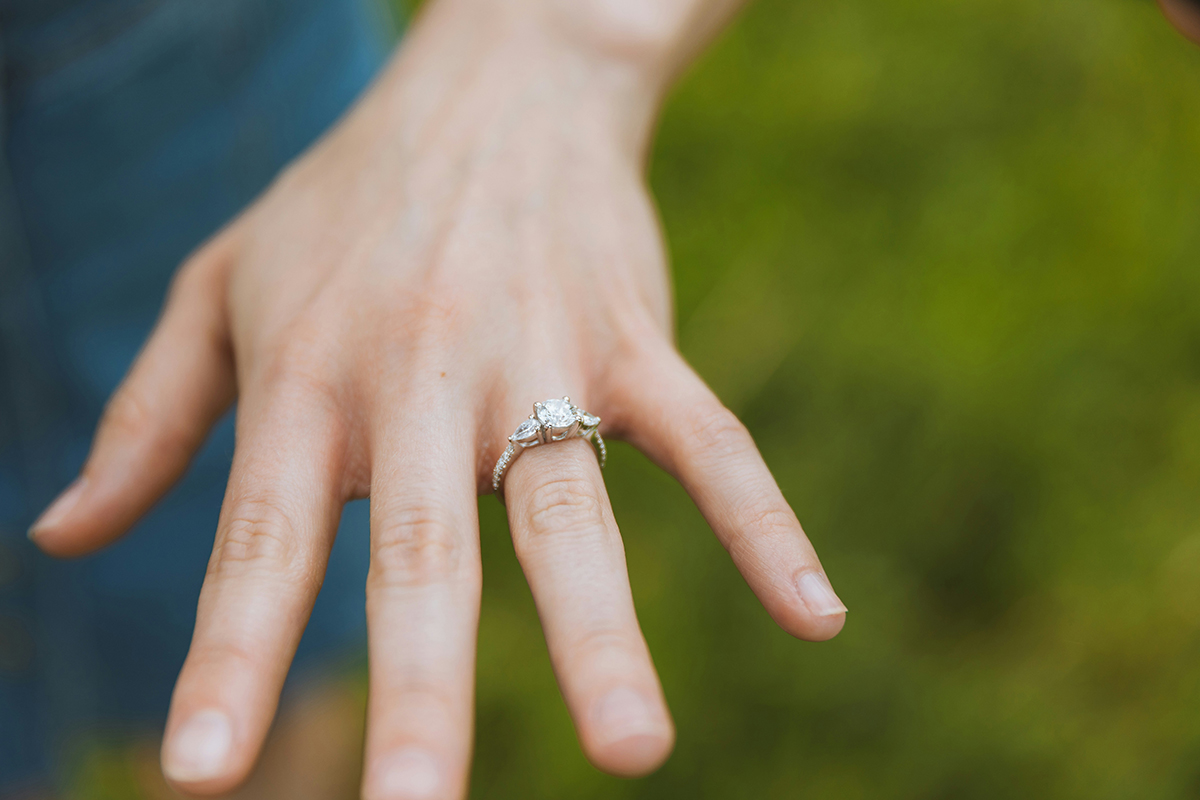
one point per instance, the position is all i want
(570, 548)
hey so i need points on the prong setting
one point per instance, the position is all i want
(552, 420)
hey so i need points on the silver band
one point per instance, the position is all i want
(551, 421)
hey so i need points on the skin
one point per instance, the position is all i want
(312, 753)
(475, 235)
(1184, 15)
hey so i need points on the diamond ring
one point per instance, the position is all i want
(551, 421)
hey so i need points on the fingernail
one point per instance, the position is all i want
(200, 748)
(408, 774)
(59, 509)
(818, 595)
(623, 712)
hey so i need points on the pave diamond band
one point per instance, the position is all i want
(551, 421)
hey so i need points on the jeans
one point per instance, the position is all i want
(132, 130)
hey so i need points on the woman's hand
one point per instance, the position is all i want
(475, 236)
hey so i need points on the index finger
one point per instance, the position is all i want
(276, 528)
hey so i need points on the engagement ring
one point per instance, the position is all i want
(552, 421)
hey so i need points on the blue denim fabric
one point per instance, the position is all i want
(133, 129)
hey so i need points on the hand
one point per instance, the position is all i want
(475, 236)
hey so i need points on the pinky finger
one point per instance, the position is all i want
(682, 426)
(178, 387)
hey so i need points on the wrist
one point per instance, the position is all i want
(596, 66)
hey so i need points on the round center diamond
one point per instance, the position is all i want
(556, 414)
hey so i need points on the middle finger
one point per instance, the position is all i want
(422, 601)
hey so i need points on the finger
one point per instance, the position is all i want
(422, 605)
(178, 387)
(273, 539)
(1184, 15)
(672, 416)
(569, 546)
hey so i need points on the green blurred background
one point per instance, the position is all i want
(942, 257)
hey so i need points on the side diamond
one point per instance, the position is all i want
(527, 432)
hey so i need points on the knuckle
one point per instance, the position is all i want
(421, 688)
(770, 519)
(259, 535)
(225, 653)
(760, 522)
(430, 318)
(127, 413)
(436, 320)
(606, 647)
(563, 504)
(129, 416)
(715, 430)
(417, 547)
(303, 372)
